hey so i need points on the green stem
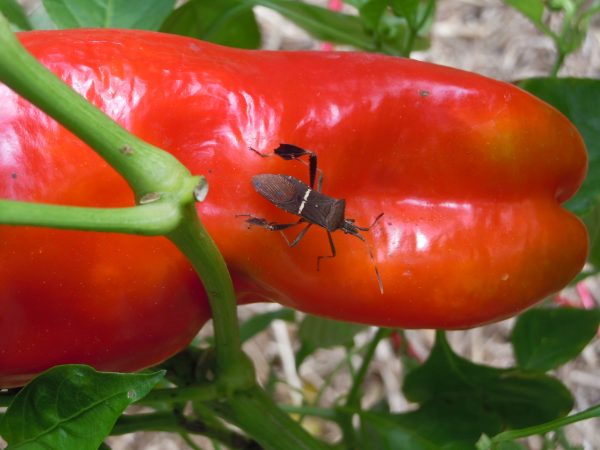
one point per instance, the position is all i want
(199, 393)
(546, 427)
(426, 14)
(409, 43)
(130, 423)
(174, 423)
(144, 167)
(313, 411)
(558, 63)
(353, 399)
(275, 431)
(188, 440)
(329, 379)
(149, 220)
(234, 369)
(562, 439)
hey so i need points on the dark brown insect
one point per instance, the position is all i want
(312, 206)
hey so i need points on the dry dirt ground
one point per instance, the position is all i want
(483, 36)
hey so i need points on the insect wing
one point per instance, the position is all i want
(283, 191)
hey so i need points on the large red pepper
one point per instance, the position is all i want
(469, 173)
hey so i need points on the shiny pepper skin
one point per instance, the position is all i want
(469, 173)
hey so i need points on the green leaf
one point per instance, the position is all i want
(225, 22)
(532, 9)
(371, 12)
(71, 407)
(15, 14)
(544, 338)
(325, 333)
(323, 23)
(485, 443)
(408, 29)
(137, 14)
(380, 432)
(561, 5)
(258, 323)
(578, 99)
(317, 332)
(517, 397)
(407, 9)
(592, 223)
(444, 424)
(183, 368)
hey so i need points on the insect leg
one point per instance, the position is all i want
(296, 153)
(263, 155)
(292, 152)
(299, 237)
(319, 180)
(271, 226)
(289, 151)
(319, 258)
(377, 274)
(362, 238)
(274, 226)
(313, 170)
(372, 225)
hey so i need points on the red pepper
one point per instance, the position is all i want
(469, 173)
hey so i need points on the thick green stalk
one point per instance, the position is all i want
(276, 430)
(233, 367)
(170, 422)
(160, 421)
(144, 167)
(353, 399)
(558, 62)
(195, 393)
(149, 220)
(313, 411)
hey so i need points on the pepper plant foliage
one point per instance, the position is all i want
(459, 404)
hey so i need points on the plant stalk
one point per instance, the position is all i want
(276, 430)
(149, 220)
(145, 167)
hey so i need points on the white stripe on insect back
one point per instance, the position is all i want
(306, 194)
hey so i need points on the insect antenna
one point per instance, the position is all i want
(377, 274)
(372, 225)
(351, 228)
(291, 152)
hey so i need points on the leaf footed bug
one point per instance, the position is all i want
(312, 206)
